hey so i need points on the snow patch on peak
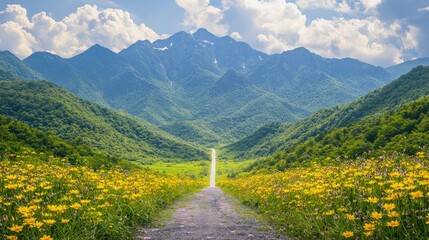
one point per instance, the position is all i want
(208, 42)
(161, 49)
(260, 58)
(215, 61)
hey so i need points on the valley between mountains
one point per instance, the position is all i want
(99, 145)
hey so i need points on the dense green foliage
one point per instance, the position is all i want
(55, 110)
(6, 75)
(18, 137)
(404, 130)
(279, 137)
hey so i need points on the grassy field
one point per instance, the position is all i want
(383, 198)
(199, 169)
(194, 170)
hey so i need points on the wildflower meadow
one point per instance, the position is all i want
(51, 199)
(383, 198)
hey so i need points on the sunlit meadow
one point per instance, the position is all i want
(52, 199)
(384, 198)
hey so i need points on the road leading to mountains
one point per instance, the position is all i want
(210, 214)
(213, 169)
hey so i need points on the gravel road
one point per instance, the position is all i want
(210, 214)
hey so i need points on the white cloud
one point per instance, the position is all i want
(16, 39)
(276, 25)
(344, 6)
(112, 28)
(236, 35)
(270, 26)
(200, 14)
(15, 13)
(304, 4)
(365, 39)
(410, 38)
(370, 4)
(425, 9)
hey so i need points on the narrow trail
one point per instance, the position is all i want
(210, 214)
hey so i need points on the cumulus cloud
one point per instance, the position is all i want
(112, 28)
(370, 4)
(365, 39)
(200, 14)
(277, 25)
(341, 6)
(236, 35)
(303, 4)
(424, 9)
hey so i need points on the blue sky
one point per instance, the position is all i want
(380, 32)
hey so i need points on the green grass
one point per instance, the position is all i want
(200, 169)
(194, 169)
(229, 168)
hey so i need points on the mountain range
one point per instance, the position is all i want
(207, 89)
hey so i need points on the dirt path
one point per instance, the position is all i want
(210, 215)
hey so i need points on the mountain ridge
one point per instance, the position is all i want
(168, 81)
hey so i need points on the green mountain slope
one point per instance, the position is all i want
(397, 70)
(6, 75)
(11, 64)
(404, 130)
(408, 88)
(313, 82)
(53, 109)
(17, 137)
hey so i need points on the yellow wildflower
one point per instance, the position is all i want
(372, 199)
(394, 223)
(376, 215)
(75, 192)
(393, 214)
(12, 237)
(84, 201)
(348, 234)
(369, 227)
(331, 212)
(350, 217)
(46, 237)
(76, 206)
(65, 220)
(38, 224)
(389, 206)
(417, 194)
(16, 228)
(49, 221)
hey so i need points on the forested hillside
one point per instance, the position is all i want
(279, 137)
(404, 130)
(18, 137)
(54, 110)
